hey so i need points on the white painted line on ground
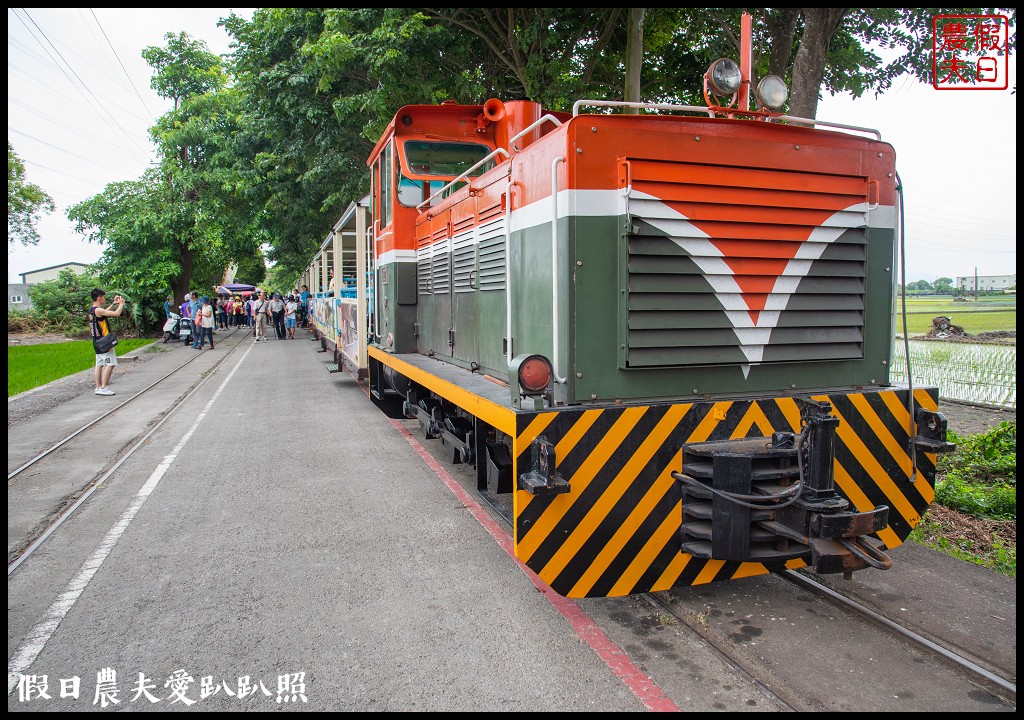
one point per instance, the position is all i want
(36, 640)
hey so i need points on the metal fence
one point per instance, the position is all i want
(978, 373)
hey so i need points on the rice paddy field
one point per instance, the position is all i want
(983, 373)
(986, 314)
(978, 373)
(34, 365)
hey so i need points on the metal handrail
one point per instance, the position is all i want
(512, 141)
(826, 123)
(426, 203)
(638, 105)
(556, 341)
(696, 108)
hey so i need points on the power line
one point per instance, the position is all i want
(81, 84)
(67, 102)
(55, 147)
(123, 69)
(95, 140)
(59, 172)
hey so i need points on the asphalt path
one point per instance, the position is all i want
(278, 534)
(278, 543)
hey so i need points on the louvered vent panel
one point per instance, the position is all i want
(424, 256)
(491, 252)
(464, 261)
(743, 265)
(440, 268)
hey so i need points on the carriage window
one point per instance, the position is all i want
(449, 159)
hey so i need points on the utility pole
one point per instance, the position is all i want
(975, 284)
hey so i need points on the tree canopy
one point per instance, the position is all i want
(268, 147)
(25, 202)
(180, 224)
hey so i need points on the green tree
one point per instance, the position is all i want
(180, 224)
(920, 287)
(835, 50)
(252, 269)
(320, 85)
(64, 300)
(25, 202)
(943, 286)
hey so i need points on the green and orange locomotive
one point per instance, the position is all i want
(666, 331)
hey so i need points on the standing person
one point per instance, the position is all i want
(332, 284)
(291, 306)
(238, 308)
(277, 315)
(304, 305)
(206, 322)
(259, 317)
(100, 326)
(193, 306)
(222, 313)
(168, 307)
(185, 307)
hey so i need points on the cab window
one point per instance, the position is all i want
(447, 159)
(387, 174)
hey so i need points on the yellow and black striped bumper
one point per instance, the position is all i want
(617, 530)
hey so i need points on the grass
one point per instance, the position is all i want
(30, 366)
(972, 321)
(977, 485)
(986, 314)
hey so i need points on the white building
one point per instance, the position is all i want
(17, 293)
(998, 283)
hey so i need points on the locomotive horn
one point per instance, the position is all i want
(494, 109)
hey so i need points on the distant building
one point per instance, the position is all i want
(51, 273)
(998, 283)
(17, 296)
(17, 293)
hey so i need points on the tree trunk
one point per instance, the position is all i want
(809, 66)
(634, 57)
(781, 31)
(180, 286)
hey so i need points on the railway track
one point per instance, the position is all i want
(86, 433)
(991, 687)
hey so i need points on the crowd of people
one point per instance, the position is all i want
(257, 310)
(206, 314)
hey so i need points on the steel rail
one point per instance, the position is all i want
(807, 582)
(91, 487)
(11, 475)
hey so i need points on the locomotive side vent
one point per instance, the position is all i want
(464, 261)
(491, 238)
(743, 265)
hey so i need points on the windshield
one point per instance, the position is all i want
(448, 159)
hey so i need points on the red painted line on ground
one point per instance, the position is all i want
(646, 690)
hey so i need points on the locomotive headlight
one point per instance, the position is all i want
(772, 92)
(724, 77)
(535, 374)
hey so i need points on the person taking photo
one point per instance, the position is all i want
(100, 326)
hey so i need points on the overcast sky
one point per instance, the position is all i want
(79, 106)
